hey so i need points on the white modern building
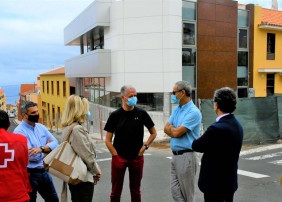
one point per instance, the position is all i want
(135, 42)
(151, 44)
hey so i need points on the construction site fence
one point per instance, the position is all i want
(261, 118)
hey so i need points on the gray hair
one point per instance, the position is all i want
(125, 88)
(184, 85)
(27, 104)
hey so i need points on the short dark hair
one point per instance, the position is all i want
(226, 99)
(27, 104)
(4, 120)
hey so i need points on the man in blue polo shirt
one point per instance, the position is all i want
(183, 127)
(40, 141)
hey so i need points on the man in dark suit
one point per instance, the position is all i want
(221, 145)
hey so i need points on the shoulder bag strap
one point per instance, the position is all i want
(68, 137)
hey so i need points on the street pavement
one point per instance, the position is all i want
(259, 173)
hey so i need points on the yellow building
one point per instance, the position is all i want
(55, 90)
(267, 69)
(2, 100)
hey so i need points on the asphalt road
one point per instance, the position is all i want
(259, 176)
(13, 125)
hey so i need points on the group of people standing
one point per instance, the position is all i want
(221, 145)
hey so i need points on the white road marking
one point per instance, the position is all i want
(242, 172)
(260, 149)
(278, 162)
(251, 174)
(105, 159)
(267, 156)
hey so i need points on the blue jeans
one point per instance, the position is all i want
(41, 182)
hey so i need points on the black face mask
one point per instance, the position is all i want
(33, 118)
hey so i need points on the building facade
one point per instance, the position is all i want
(25, 91)
(55, 89)
(2, 100)
(267, 52)
(151, 44)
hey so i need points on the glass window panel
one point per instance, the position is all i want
(242, 72)
(243, 18)
(188, 74)
(188, 10)
(242, 92)
(243, 38)
(150, 101)
(188, 34)
(242, 58)
(242, 76)
(188, 56)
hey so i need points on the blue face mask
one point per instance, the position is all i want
(132, 101)
(174, 99)
(88, 115)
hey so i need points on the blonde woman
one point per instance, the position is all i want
(76, 112)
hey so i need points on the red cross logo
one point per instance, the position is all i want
(5, 155)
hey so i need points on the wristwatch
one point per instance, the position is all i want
(42, 148)
(147, 147)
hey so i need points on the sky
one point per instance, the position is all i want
(32, 36)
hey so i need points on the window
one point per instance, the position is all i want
(150, 101)
(188, 34)
(53, 115)
(43, 104)
(243, 18)
(98, 35)
(270, 84)
(243, 38)
(188, 10)
(59, 113)
(270, 46)
(188, 65)
(58, 88)
(64, 89)
(47, 87)
(242, 92)
(242, 69)
(188, 56)
(52, 87)
(43, 87)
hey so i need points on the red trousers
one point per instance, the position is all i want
(135, 168)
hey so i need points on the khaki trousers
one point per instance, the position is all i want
(183, 174)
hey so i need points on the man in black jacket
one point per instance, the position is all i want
(221, 145)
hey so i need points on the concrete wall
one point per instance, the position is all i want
(145, 41)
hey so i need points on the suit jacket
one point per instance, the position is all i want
(221, 145)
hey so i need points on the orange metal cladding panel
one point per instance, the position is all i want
(217, 51)
(206, 27)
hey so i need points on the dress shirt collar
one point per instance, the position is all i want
(188, 104)
(223, 115)
(27, 125)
